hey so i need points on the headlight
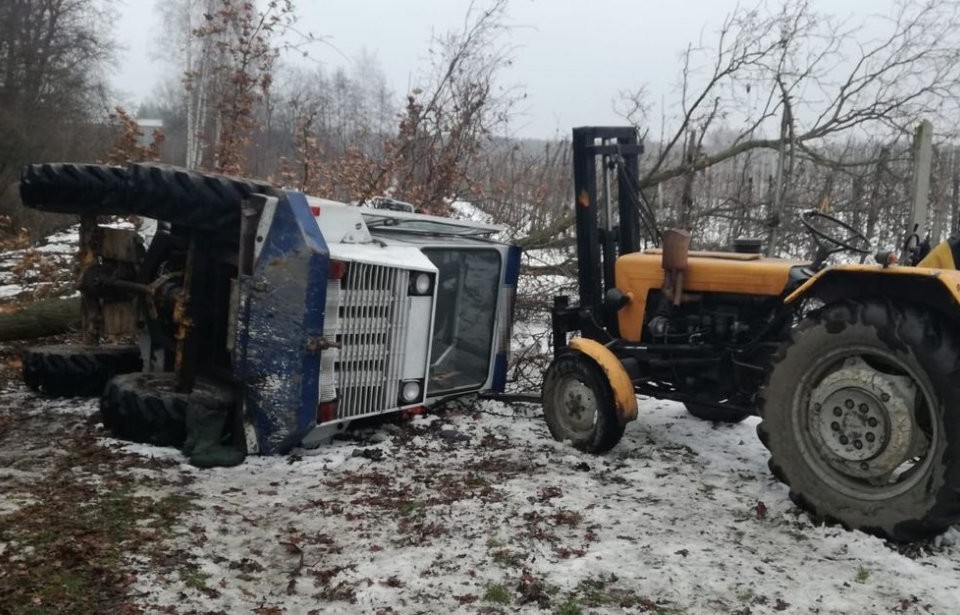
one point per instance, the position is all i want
(421, 284)
(410, 391)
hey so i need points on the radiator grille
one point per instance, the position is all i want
(330, 356)
(371, 336)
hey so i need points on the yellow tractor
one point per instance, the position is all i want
(854, 370)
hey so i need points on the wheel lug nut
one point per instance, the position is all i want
(848, 404)
(837, 411)
(835, 426)
(885, 396)
(872, 422)
(857, 444)
(844, 440)
(870, 437)
(864, 408)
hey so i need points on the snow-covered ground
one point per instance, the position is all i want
(49, 267)
(479, 510)
(37, 270)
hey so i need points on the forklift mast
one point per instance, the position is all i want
(599, 152)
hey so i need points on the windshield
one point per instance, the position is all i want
(467, 286)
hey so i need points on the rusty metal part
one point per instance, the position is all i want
(676, 248)
(91, 316)
(318, 344)
(185, 315)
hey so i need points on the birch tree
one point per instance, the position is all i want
(228, 51)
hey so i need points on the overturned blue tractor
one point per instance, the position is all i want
(259, 319)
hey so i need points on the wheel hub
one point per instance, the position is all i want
(861, 419)
(579, 405)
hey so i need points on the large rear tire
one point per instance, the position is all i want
(74, 188)
(188, 198)
(859, 415)
(578, 404)
(67, 370)
(145, 407)
(166, 193)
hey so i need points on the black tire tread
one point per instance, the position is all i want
(189, 198)
(74, 188)
(145, 407)
(926, 336)
(68, 370)
(170, 194)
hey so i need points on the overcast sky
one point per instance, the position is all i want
(572, 58)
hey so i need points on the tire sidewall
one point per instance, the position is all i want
(932, 360)
(145, 407)
(607, 429)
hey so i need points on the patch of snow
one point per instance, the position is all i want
(10, 290)
(464, 502)
(552, 256)
(58, 248)
(466, 210)
(67, 237)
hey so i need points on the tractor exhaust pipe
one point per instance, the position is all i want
(676, 249)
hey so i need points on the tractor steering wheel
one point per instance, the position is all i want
(824, 236)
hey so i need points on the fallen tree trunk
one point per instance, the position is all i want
(40, 319)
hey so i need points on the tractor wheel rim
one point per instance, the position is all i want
(578, 407)
(865, 423)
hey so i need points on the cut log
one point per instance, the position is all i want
(40, 319)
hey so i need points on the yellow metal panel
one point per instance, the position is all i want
(948, 277)
(624, 397)
(727, 256)
(940, 257)
(637, 274)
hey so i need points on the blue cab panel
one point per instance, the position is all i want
(280, 322)
(510, 277)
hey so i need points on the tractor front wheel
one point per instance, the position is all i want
(859, 415)
(578, 404)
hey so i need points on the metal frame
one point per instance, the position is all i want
(598, 247)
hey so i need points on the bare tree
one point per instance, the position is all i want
(458, 107)
(129, 142)
(228, 51)
(53, 60)
(793, 81)
(345, 140)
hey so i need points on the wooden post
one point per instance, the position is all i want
(776, 204)
(922, 163)
(939, 198)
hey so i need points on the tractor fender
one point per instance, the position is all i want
(624, 397)
(938, 289)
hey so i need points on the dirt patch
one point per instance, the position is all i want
(77, 512)
(464, 511)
